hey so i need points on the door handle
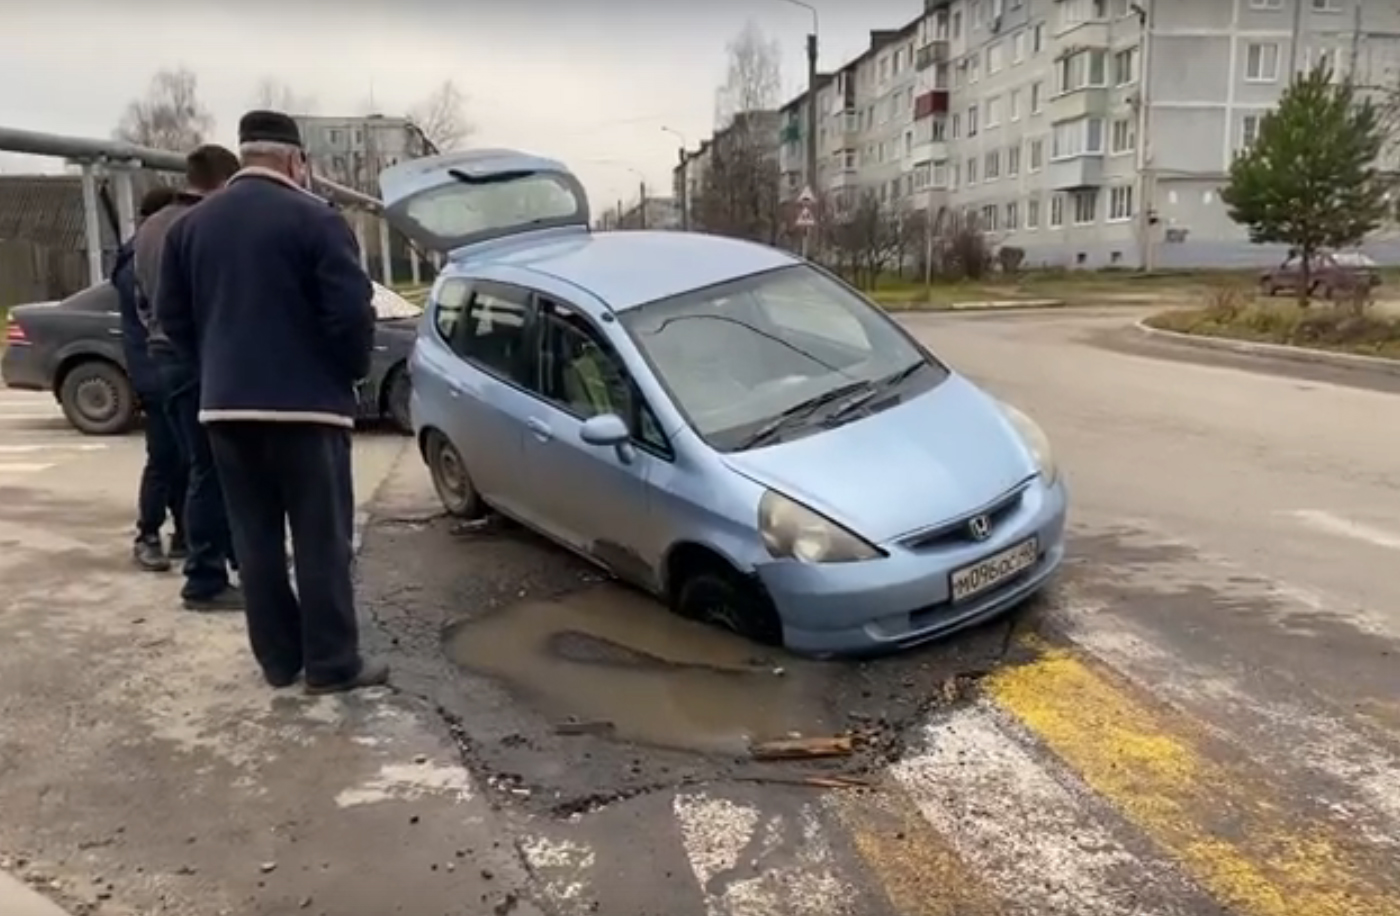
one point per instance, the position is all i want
(540, 428)
(454, 389)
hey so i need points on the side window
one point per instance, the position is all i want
(451, 303)
(493, 330)
(580, 371)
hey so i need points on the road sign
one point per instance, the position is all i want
(805, 218)
(806, 198)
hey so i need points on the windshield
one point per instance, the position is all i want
(389, 305)
(737, 356)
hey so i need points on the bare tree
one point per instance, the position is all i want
(277, 95)
(754, 80)
(170, 116)
(442, 117)
(868, 238)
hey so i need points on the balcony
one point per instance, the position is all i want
(928, 151)
(1080, 103)
(791, 133)
(931, 54)
(1075, 173)
(1083, 36)
(931, 103)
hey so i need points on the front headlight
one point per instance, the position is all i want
(791, 531)
(1036, 441)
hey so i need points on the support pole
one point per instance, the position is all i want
(811, 176)
(415, 268)
(91, 227)
(126, 203)
(359, 224)
(386, 263)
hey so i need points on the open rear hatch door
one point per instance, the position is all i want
(453, 201)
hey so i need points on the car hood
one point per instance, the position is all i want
(930, 459)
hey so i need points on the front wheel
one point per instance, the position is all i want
(97, 399)
(450, 478)
(722, 598)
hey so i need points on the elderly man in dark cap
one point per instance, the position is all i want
(263, 281)
(208, 546)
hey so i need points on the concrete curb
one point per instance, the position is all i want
(1277, 351)
(19, 899)
(997, 305)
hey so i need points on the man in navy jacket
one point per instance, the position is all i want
(163, 479)
(262, 284)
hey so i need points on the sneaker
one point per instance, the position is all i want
(229, 599)
(149, 556)
(373, 673)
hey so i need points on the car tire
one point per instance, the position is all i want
(450, 478)
(398, 390)
(722, 598)
(97, 399)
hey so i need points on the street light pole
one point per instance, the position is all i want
(685, 178)
(810, 175)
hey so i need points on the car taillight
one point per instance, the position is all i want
(14, 334)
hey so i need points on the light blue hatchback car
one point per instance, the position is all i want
(722, 424)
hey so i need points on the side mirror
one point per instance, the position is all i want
(605, 430)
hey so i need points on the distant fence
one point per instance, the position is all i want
(34, 273)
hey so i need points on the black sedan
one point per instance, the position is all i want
(74, 349)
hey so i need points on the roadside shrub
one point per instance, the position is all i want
(1224, 302)
(962, 252)
(1336, 326)
(1010, 258)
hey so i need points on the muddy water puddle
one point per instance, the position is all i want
(608, 660)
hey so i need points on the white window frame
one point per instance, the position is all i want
(1120, 204)
(1249, 130)
(1036, 157)
(1132, 55)
(1266, 4)
(992, 112)
(1012, 221)
(1261, 73)
(991, 165)
(1057, 211)
(1013, 160)
(1124, 129)
(1032, 214)
(1013, 104)
(1092, 196)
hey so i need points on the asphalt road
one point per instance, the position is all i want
(1203, 716)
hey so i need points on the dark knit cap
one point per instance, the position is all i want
(268, 127)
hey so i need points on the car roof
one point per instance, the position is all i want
(630, 268)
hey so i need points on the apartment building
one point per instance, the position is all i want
(1091, 133)
(354, 150)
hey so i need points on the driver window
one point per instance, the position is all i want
(580, 372)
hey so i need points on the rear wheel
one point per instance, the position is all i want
(97, 398)
(398, 391)
(715, 594)
(450, 478)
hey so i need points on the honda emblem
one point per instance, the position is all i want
(980, 527)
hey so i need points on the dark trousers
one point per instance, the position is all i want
(164, 479)
(297, 475)
(206, 523)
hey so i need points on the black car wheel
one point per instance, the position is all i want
(450, 478)
(398, 391)
(97, 398)
(722, 598)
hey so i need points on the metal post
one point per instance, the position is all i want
(642, 206)
(1146, 186)
(1293, 42)
(811, 176)
(685, 192)
(359, 224)
(386, 263)
(126, 203)
(92, 228)
(414, 267)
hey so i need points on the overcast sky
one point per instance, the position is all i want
(589, 81)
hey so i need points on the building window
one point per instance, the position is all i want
(1124, 136)
(1083, 137)
(1120, 204)
(993, 107)
(989, 218)
(1086, 207)
(995, 53)
(972, 121)
(940, 175)
(938, 130)
(1033, 213)
(1038, 38)
(1037, 155)
(1057, 211)
(1326, 6)
(1013, 161)
(1014, 104)
(1249, 130)
(1018, 47)
(972, 171)
(1036, 100)
(992, 170)
(1013, 217)
(957, 126)
(1083, 70)
(333, 136)
(1125, 67)
(1261, 62)
(1266, 4)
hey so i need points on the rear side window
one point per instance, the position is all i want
(492, 331)
(452, 299)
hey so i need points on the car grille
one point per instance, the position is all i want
(959, 530)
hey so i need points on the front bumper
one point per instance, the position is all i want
(904, 599)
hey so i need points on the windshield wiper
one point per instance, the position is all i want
(877, 388)
(801, 411)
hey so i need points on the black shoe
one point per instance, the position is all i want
(150, 557)
(279, 681)
(229, 599)
(372, 674)
(179, 550)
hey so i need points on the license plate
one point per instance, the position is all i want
(987, 574)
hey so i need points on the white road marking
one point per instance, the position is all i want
(51, 446)
(1335, 524)
(22, 467)
(1013, 821)
(29, 413)
(763, 872)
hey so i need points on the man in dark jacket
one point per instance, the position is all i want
(262, 284)
(207, 586)
(163, 479)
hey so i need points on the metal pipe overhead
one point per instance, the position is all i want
(84, 149)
